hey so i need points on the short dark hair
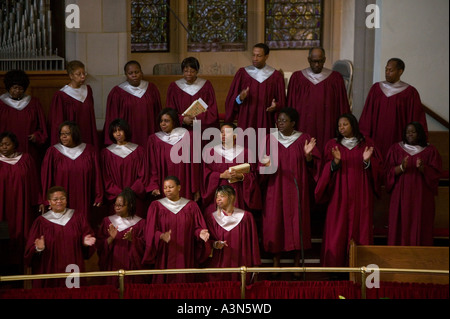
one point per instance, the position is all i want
(230, 124)
(16, 77)
(12, 137)
(119, 124)
(291, 113)
(355, 127)
(74, 65)
(131, 63)
(263, 46)
(190, 62)
(422, 139)
(129, 199)
(173, 178)
(400, 64)
(74, 131)
(55, 189)
(225, 189)
(173, 115)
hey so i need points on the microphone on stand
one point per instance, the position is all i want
(301, 225)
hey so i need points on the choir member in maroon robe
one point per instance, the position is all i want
(190, 88)
(233, 236)
(256, 93)
(319, 96)
(414, 168)
(390, 106)
(217, 171)
(23, 115)
(350, 178)
(123, 165)
(74, 102)
(74, 166)
(162, 161)
(59, 238)
(298, 162)
(120, 239)
(136, 101)
(19, 195)
(176, 235)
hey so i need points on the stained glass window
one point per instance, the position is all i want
(149, 25)
(293, 24)
(217, 25)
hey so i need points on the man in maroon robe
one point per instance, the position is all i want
(256, 93)
(319, 96)
(136, 101)
(390, 105)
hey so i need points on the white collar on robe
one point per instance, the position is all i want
(57, 218)
(411, 149)
(79, 94)
(137, 91)
(11, 160)
(190, 89)
(122, 150)
(173, 137)
(174, 207)
(228, 222)
(229, 153)
(349, 143)
(260, 75)
(287, 141)
(71, 152)
(16, 104)
(316, 78)
(390, 89)
(122, 223)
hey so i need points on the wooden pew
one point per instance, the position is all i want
(401, 257)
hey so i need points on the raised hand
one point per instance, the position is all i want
(112, 231)
(166, 236)
(244, 93)
(272, 107)
(40, 243)
(204, 234)
(336, 155)
(308, 148)
(129, 235)
(89, 240)
(368, 151)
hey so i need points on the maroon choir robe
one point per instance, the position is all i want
(180, 96)
(350, 193)
(23, 118)
(387, 111)
(78, 171)
(75, 105)
(265, 85)
(63, 235)
(185, 249)
(160, 164)
(124, 166)
(319, 99)
(412, 203)
(240, 232)
(281, 220)
(138, 106)
(248, 192)
(121, 253)
(19, 195)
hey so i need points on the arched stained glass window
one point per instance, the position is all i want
(149, 25)
(293, 24)
(217, 25)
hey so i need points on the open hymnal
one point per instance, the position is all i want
(197, 107)
(241, 168)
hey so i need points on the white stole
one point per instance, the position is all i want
(71, 152)
(122, 150)
(260, 75)
(174, 207)
(349, 143)
(11, 160)
(287, 141)
(228, 153)
(16, 104)
(58, 218)
(390, 89)
(122, 223)
(137, 91)
(79, 94)
(411, 149)
(173, 137)
(191, 89)
(316, 78)
(228, 222)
